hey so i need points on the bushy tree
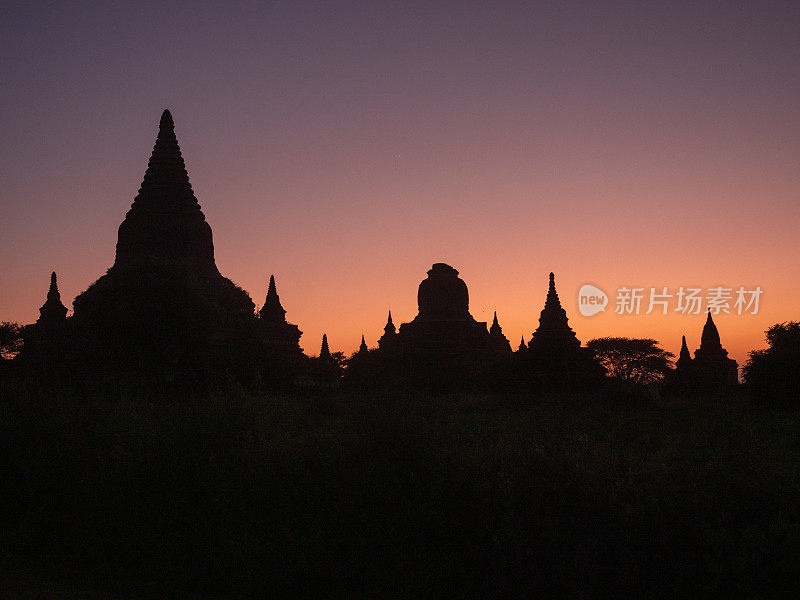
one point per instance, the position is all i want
(10, 339)
(635, 360)
(772, 376)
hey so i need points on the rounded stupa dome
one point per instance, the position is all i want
(443, 294)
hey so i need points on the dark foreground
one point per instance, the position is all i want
(396, 496)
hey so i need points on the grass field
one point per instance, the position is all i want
(398, 495)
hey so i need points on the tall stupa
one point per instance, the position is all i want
(163, 310)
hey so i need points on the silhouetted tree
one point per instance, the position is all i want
(339, 358)
(772, 376)
(634, 360)
(10, 339)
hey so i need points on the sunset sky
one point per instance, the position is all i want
(347, 146)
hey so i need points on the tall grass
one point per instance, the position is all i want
(401, 495)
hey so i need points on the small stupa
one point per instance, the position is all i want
(279, 336)
(554, 332)
(684, 358)
(711, 368)
(53, 312)
(498, 341)
(389, 337)
(325, 351)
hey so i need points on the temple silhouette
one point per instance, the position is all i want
(163, 314)
(554, 356)
(711, 369)
(444, 326)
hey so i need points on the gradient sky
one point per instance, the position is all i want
(347, 146)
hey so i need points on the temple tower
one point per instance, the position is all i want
(553, 332)
(165, 220)
(324, 351)
(444, 323)
(498, 341)
(163, 314)
(53, 312)
(279, 336)
(684, 358)
(554, 357)
(389, 336)
(711, 364)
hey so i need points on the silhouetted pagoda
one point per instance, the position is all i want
(280, 337)
(45, 348)
(45, 339)
(163, 311)
(53, 313)
(684, 358)
(362, 348)
(282, 352)
(554, 356)
(389, 337)
(165, 219)
(325, 351)
(443, 345)
(444, 323)
(497, 340)
(321, 371)
(711, 369)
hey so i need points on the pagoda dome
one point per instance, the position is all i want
(443, 294)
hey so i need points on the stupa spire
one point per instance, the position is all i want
(522, 345)
(495, 327)
(710, 337)
(390, 329)
(552, 301)
(553, 327)
(166, 179)
(498, 341)
(53, 310)
(165, 220)
(272, 309)
(684, 358)
(324, 351)
(363, 347)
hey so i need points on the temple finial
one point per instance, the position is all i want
(494, 321)
(272, 310)
(552, 302)
(710, 336)
(324, 351)
(363, 347)
(53, 310)
(166, 120)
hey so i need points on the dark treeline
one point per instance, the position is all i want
(398, 494)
